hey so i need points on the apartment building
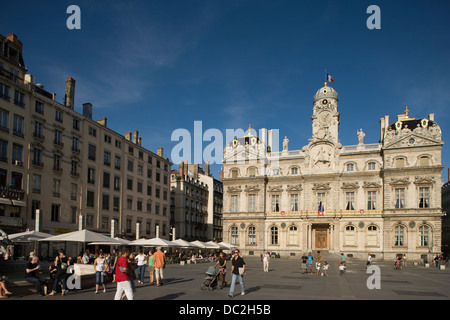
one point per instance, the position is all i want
(196, 203)
(69, 169)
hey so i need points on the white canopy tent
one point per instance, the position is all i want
(155, 242)
(198, 244)
(84, 236)
(183, 243)
(115, 242)
(28, 236)
(227, 245)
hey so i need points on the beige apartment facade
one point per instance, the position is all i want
(196, 203)
(74, 170)
(382, 198)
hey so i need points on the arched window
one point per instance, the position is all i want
(399, 236)
(424, 161)
(273, 235)
(399, 162)
(294, 171)
(293, 235)
(372, 236)
(251, 235)
(350, 167)
(349, 236)
(424, 234)
(234, 236)
(371, 166)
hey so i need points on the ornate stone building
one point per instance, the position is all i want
(382, 198)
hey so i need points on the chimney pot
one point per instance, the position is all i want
(70, 94)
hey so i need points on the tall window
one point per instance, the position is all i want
(234, 203)
(91, 152)
(399, 236)
(293, 235)
(371, 200)
(399, 162)
(424, 161)
(424, 197)
(273, 235)
(251, 235)
(350, 199)
(321, 200)
(399, 198)
(424, 233)
(350, 167)
(371, 166)
(55, 212)
(275, 202)
(372, 236)
(18, 125)
(4, 124)
(349, 236)
(294, 202)
(234, 236)
(251, 202)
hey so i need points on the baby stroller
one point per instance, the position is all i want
(210, 281)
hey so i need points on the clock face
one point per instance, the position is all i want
(325, 118)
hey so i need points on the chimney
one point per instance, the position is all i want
(135, 136)
(103, 121)
(221, 174)
(160, 152)
(13, 38)
(270, 140)
(182, 170)
(87, 110)
(431, 117)
(128, 136)
(70, 94)
(207, 168)
(139, 141)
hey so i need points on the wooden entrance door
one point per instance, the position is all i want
(321, 241)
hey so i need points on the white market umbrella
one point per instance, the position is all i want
(183, 243)
(28, 236)
(227, 245)
(83, 236)
(212, 245)
(116, 242)
(155, 242)
(198, 244)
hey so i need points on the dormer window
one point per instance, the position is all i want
(350, 167)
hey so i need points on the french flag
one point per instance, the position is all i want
(330, 78)
(321, 209)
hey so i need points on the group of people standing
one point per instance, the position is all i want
(124, 270)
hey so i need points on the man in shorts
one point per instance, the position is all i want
(304, 259)
(159, 262)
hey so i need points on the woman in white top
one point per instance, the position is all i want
(100, 266)
(141, 258)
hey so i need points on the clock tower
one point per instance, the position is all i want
(325, 118)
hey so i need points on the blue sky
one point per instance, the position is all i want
(156, 66)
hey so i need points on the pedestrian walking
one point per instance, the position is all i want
(304, 260)
(341, 269)
(310, 262)
(61, 273)
(141, 258)
(33, 275)
(114, 258)
(237, 273)
(122, 277)
(159, 263)
(266, 261)
(100, 266)
(369, 260)
(151, 268)
(343, 259)
(222, 263)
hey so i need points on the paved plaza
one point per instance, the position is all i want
(285, 281)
